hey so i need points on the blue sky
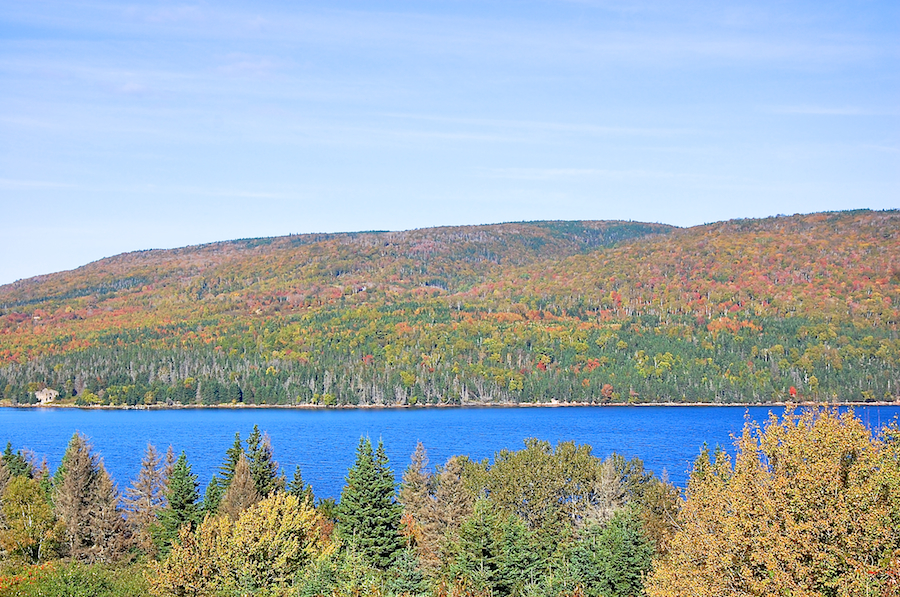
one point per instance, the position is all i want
(135, 125)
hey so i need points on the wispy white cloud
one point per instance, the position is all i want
(26, 185)
(536, 125)
(832, 110)
(559, 174)
(406, 114)
(882, 148)
(170, 14)
(515, 38)
(247, 65)
(144, 188)
(133, 88)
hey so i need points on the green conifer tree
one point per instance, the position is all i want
(368, 515)
(613, 560)
(475, 555)
(213, 496)
(232, 455)
(182, 508)
(299, 488)
(405, 577)
(263, 467)
(16, 463)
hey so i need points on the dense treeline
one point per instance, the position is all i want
(594, 312)
(810, 506)
(467, 360)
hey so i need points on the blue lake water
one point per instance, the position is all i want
(323, 442)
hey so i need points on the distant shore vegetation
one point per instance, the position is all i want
(808, 504)
(798, 308)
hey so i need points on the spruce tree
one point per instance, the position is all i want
(416, 489)
(109, 532)
(232, 455)
(212, 499)
(85, 500)
(241, 492)
(297, 487)
(168, 467)
(475, 554)
(182, 508)
(405, 576)
(146, 497)
(453, 502)
(263, 467)
(368, 515)
(16, 463)
(615, 559)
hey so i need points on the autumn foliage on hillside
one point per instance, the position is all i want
(799, 307)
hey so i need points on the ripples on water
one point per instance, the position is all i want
(323, 442)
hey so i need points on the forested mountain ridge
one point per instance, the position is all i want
(746, 310)
(408, 258)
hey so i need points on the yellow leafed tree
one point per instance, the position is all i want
(810, 507)
(264, 548)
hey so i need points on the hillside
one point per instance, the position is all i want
(746, 310)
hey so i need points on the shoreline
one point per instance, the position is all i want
(241, 406)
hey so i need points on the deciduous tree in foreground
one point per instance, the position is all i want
(263, 548)
(810, 507)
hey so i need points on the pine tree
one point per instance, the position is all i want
(613, 560)
(368, 516)
(181, 509)
(16, 463)
(418, 500)
(86, 500)
(168, 467)
(232, 455)
(110, 534)
(263, 467)
(241, 493)
(297, 487)
(212, 499)
(145, 498)
(416, 488)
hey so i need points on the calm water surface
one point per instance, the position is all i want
(323, 443)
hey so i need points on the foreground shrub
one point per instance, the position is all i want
(73, 580)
